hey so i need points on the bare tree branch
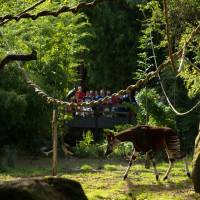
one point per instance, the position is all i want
(32, 7)
(18, 57)
(4, 19)
(63, 9)
(192, 65)
(168, 35)
(193, 33)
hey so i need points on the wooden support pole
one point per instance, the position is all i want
(55, 143)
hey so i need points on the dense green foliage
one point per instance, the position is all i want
(152, 110)
(25, 117)
(113, 55)
(112, 42)
(18, 126)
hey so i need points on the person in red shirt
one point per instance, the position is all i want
(79, 94)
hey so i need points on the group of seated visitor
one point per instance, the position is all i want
(115, 104)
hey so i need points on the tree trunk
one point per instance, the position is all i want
(196, 164)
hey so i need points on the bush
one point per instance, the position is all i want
(123, 150)
(86, 148)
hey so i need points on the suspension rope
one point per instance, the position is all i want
(181, 66)
(162, 86)
(52, 100)
(184, 58)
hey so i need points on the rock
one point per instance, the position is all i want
(196, 171)
(50, 188)
(196, 164)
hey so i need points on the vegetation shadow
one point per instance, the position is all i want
(135, 189)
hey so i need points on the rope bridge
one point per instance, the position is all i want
(51, 100)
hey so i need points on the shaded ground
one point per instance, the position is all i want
(102, 179)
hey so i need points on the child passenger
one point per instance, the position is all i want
(79, 94)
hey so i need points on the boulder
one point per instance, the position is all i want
(50, 188)
(196, 164)
(196, 172)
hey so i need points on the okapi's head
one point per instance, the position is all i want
(112, 143)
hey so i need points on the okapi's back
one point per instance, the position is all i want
(146, 137)
(149, 137)
(167, 137)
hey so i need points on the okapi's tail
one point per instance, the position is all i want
(173, 145)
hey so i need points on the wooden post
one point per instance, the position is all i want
(54, 141)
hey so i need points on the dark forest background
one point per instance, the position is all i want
(110, 44)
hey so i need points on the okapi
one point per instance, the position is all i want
(149, 140)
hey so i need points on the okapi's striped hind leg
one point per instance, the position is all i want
(150, 158)
(133, 157)
(186, 167)
(171, 164)
(155, 170)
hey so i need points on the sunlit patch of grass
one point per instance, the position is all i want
(86, 167)
(5, 177)
(110, 167)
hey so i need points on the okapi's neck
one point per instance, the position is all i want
(126, 135)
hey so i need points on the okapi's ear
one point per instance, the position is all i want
(110, 135)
